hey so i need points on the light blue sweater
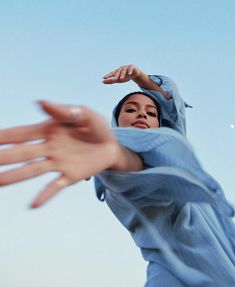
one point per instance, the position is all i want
(176, 213)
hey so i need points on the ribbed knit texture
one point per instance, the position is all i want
(176, 213)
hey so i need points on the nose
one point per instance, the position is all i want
(141, 115)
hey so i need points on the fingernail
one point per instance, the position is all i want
(39, 102)
(34, 205)
(42, 102)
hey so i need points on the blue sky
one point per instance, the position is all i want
(59, 51)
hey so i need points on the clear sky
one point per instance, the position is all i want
(59, 51)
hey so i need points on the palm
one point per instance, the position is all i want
(71, 147)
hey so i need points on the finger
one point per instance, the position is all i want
(113, 77)
(91, 126)
(50, 191)
(130, 70)
(22, 152)
(78, 115)
(26, 172)
(109, 81)
(62, 113)
(112, 80)
(57, 111)
(117, 74)
(123, 73)
(22, 134)
(83, 118)
(111, 74)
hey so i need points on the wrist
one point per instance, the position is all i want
(140, 78)
(143, 81)
(125, 159)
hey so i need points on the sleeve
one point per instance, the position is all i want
(173, 110)
(173, 173)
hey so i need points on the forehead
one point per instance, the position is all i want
(140, 99)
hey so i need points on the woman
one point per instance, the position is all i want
(149, 176)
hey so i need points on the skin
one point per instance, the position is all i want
(138, 111)
(130, 72)
(76, 151)
(75, 148)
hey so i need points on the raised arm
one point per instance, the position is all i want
(130, 72)
(158, 86)
(76, 142)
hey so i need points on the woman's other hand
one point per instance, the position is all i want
(130, 72)
(122, 74)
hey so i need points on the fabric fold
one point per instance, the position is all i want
(173, 110)
(180, 178)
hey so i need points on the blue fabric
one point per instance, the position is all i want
(176, 213)
(172, 111)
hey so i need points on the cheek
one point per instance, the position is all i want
(124, 120)
(154, 123)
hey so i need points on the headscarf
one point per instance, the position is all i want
(117, 109)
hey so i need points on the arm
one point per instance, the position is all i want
(144, 82)
(172, 173)
(160, 87)
(131, 72)
(77, 146)
(126, 160)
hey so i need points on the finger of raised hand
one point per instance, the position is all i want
(22, 134)
(123, 73)
(116, 75)
(21, 152)
(108, 81)
(135, 71)
(130, 69)
(113, 78)
(111, 74)
(50, 191)
(25, 172)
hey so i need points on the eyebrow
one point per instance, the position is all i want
(136, 104)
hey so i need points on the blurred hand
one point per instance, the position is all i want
(122, 74)
(76, 146)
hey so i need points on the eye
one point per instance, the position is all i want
(152, 114)
(130, 110)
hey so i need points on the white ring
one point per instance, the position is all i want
(75, 113)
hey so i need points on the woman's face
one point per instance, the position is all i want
(138, 111)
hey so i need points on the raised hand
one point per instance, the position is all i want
(122, 74)
(77, 143)
(130, 72)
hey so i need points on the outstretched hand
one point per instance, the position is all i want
(122, 74)
(76, 145)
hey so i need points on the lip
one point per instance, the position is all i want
(140, 124)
